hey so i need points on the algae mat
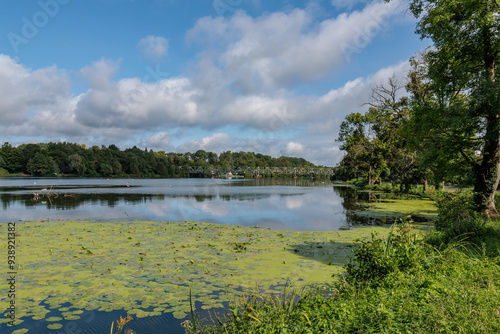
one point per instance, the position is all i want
(149, 268)
(398, 208)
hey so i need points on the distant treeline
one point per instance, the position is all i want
(50, 159)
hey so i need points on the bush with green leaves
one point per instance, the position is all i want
(375, 259)
(456, 214)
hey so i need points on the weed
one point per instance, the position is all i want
(120, 324)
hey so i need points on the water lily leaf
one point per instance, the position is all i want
(54, 326)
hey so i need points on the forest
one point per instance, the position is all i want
(70, 159)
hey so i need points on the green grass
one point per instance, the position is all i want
(425, 285)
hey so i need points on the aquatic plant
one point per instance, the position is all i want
(147, 268)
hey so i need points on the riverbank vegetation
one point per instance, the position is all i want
(445, 281)
(49, 159)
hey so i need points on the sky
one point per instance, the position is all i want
(275, 77)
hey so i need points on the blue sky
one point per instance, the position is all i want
(274, 77)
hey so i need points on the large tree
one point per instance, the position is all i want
(462, 70)
(373, 141)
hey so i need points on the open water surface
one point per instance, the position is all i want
(279, 204)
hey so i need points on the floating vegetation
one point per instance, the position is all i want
(148, 268)
(389, 209)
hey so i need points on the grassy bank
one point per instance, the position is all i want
(403, 283)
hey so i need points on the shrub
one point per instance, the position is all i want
(375, 259)
(456, 214)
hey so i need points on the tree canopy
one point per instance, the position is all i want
(463, 95)
(47, 159)
(450, 124)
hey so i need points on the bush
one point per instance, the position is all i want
(456, 214)
(375, 259)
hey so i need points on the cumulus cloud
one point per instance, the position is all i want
(215, 143)
(159, 140)
(277, 50)
(100, 73)
(154, 47)
(294, 149)
(132, 103)
(244, 79)
(25, 92)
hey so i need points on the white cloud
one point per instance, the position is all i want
(133, 104)
(159, 140)
(154, 47)
(100, 73)
(294, 149)
(215, 143)
(244, 79)
(278, 50)
(25, 92)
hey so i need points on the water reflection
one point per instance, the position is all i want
(291, 204)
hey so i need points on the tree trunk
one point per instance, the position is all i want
(370, 176)
(487, 175)
(426, 185)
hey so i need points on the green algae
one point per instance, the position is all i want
(149, 268)
(388, 209)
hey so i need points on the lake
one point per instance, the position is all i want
(279, 204)
(280, 208)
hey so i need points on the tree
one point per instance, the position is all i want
(77, 164)
(462, 72)
(12, 158)
(39, 165)
(106, 169)
(430, 132)
(373, 142)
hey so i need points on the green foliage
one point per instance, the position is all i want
(457, 215)
(373, 260)
(3, 172)
(374, 143)
(455, 90)
(73, 159)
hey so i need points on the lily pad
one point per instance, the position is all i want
(54, 326)
(21, 331)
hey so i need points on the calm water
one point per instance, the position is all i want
(279, 204)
